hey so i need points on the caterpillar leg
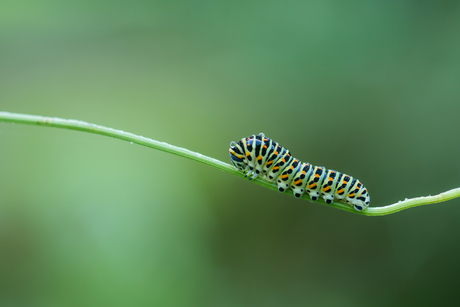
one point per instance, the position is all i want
(252, 174)
(298, 193)
(328, 198)
(314, 195)
(254, 171)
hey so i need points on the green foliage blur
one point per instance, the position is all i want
(370, 88)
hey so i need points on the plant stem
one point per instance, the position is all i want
(73, 124)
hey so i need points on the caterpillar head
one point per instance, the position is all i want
(236, 159)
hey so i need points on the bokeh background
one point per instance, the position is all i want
(367, 88)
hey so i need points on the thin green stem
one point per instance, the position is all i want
(73, 124)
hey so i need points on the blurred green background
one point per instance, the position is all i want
(367, 88)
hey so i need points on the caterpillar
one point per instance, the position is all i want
(258, 155)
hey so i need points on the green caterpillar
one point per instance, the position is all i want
(258, 155)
